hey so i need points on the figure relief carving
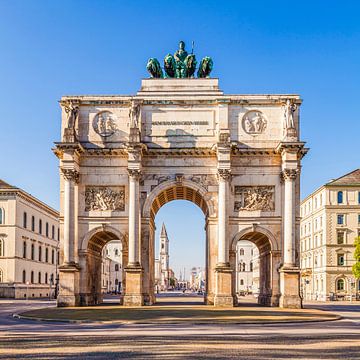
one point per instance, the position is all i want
(224, 174)
(204, 180)
(289, 123)
(254, 122)
(104, 198)
(104, 124)
(134, 173)
(134, 113)
(71, 175)
(72, 110)
(289, 174)
(253, 198)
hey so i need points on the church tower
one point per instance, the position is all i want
(164, 258)
(164, 249)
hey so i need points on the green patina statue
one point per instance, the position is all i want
(180, 66)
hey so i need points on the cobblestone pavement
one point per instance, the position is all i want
(24, 339)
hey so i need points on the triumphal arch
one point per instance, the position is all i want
(235, 156)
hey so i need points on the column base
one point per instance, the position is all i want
(133, 292)
(223, 293)
(209, 299)
(290, 288)
(68, 285)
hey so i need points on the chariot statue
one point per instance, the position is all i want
(181, 65)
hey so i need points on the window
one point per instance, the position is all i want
(241, 251)
(40, 226)
(359, 219)
(241, 281)
(24, 220)
(359, 197)
(33, 223)
(39, 277)
(340, 219)
(32, 277)
(53, 232)
(1, 276)
(2, 216)
(46, 255)
(58, 234)
(40, 253)
(58, 257)
(116, 252)
(47, 230)
(340, 259)
(340, 197)
(251, 266)
(32, 252)
(24, 249)
(340, 285)
(46, 278)
(116, 281)
(24, 276)
(320, 199)
(244, 267)
(52, 256)
(2, 249)
(315, 203)
(340, 237)
(116, 267)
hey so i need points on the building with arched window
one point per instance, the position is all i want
(112, 269)
(330, 222)
(247, 281)
(22, 259)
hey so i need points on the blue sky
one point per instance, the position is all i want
(52, 48)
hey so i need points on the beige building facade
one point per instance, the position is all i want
(112, 267)
(235, 156)
(329, 225)
(29, 244)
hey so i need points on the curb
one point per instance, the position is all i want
(70, 321)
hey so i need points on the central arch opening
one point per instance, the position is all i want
(179, 217)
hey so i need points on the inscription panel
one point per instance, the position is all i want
(164, 123)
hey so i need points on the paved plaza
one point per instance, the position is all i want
(24, 339)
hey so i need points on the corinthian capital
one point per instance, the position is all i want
(134, 173)
(289, 174)
(224, 174)
(71, 175)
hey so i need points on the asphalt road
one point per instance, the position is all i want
(25, 339)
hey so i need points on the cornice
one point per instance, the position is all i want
(197, 152)
(61, 148)
(236, 150)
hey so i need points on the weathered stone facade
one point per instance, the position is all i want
(236, 156)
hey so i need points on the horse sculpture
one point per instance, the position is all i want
(206, 65)
(154, 68)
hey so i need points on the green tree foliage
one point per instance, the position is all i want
(356, 266)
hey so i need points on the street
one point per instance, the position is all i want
(23, 339)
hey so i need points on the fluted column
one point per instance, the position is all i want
(71, 177)
(224, 177)
(134, 217)
(289, 176)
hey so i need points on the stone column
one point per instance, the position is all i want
(134, 272)
(289, 273)
(69, 270)
(289, 176)
(223, 289)
(134, 218)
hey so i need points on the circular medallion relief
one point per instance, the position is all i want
(254, 122)
(104, 123)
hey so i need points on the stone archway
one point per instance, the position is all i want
(164, 193)
(90, 261)
(269, 259)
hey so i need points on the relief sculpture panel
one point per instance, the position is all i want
(101, 198)
(253, 198)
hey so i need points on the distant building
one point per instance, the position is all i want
(29, 243)
(197, 278)
(329, 225)
(112, 267)
(163, 273)
(247, 258)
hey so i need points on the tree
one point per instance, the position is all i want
(356, 266)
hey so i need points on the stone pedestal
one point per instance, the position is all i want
(69, 286)
(290, 288)
(223, 295)
(133, 294)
